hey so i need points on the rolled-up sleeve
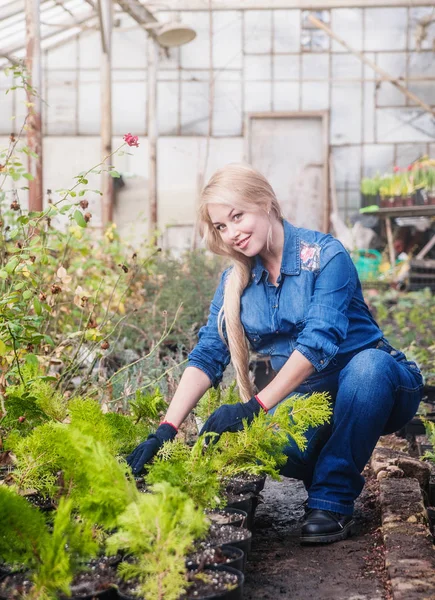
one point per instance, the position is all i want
(210, 354)
(326, 322)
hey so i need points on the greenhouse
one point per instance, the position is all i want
(217, 321)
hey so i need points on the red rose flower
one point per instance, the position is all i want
(396, 169)
(131, 140)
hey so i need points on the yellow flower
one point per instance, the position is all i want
(76, 231)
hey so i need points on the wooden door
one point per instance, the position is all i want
(291, 150)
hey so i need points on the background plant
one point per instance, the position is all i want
(407, 319)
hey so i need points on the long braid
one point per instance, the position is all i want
(236, 282)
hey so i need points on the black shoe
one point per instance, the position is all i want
(325, 527)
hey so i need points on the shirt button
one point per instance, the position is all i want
(253, 276)
(322, 362)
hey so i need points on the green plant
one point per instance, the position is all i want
(258, 449)
(190, 470)
(430, 432)
(118, 433)
(201, 470)
(52, 552)
(158, 530)
(59, 460)
(371, 187)
(214, 398)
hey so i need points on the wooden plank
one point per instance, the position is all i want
(415, 276)
(192, 5)
(427, 210)
(426, 263)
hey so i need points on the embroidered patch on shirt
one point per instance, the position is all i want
(310, 256)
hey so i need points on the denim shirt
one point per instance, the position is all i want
(317, 308)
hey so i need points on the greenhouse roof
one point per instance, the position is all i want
(61, 20)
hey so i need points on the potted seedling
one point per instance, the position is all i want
(157, 531)
(43, 557)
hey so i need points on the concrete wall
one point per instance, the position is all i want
(262, 60)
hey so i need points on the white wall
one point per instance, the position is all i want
(180, 159)
(263, 60)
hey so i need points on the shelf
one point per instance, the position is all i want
(404, 211)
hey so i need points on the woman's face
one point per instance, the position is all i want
(243, 231)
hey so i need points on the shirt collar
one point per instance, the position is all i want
(291, 255)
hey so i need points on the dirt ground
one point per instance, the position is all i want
(279, 567)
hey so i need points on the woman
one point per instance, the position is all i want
(294, 295)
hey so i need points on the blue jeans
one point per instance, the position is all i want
(374, 392)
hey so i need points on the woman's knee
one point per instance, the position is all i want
(369, 368)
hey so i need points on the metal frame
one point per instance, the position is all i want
(317, 114)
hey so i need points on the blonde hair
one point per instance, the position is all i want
(239, 186)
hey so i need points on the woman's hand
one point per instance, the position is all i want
(143, 453)
(229, 417)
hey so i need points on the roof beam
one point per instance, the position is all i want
(78, 23)
(141, 15)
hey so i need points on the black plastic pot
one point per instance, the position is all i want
(431, 516)
(236, 594)
(241, 522)
(429, 393)
(248, 503)
(236, 555)
(244, 545)
(239, 486)
(109, 594)
(431, 494)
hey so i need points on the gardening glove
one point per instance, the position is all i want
(229, 417)
(149, 448)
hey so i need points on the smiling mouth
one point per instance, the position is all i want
(243, 242)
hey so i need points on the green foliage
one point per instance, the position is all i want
(406, 319)
(22, 528)
(188, 469)
(147, 407)
(430, 432)
(214, 398)
(31, 402)
(61, 460)
(258, 449)
(53, 553)
(40, 459)
(158, 530)
(68, 545)
(129, 434)
(119, 433)
(87, 417)
(190, 279)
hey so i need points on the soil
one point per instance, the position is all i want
(210, 556)
(224, 517)
(100, 575)
(209, 583)
(279, 566)
(245, 483)
(244, 499)
(14, 585)
(224, 534)
(44, 504)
